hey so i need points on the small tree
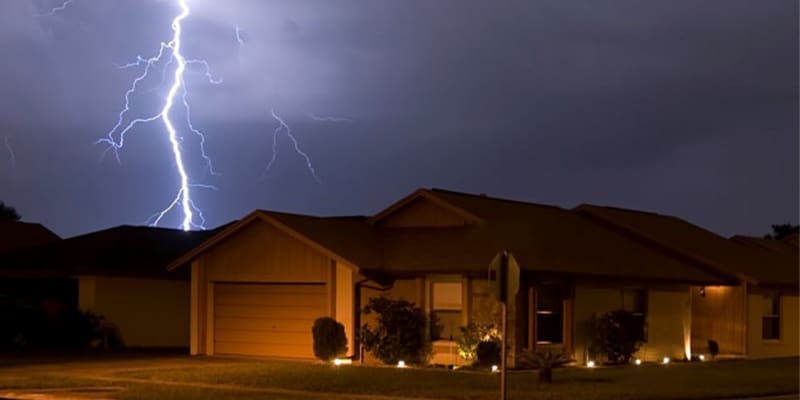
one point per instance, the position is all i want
(400, 332)
(472, 336)
(8, 213)
(619, 335)
(330, 340)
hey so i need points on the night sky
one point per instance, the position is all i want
(687, 108)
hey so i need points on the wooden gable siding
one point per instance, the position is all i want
(423, 213)
(263, 253)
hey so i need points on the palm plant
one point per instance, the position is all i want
(544, 362)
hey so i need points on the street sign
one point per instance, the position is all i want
(504, 277)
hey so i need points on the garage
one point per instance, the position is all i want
(267, 319)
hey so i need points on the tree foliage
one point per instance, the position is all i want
(330, 340)
(8, 213)
(399, 332)
(780, 231)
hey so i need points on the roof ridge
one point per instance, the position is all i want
(487, 197)
(313, 216)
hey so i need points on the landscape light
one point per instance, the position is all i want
(637, 362)
(665, 360)
(590, 364)
(495, 368)
(702, 357)
(401, 364)
(342, 361)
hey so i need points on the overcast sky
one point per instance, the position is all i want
(687, 108)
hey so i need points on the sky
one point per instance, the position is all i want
(680, 107)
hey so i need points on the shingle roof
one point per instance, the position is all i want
(544, 239)
(15, 235)
(693, 241)
(120, 251)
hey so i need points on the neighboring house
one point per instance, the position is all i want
(257, 285)
(758, 317)
(120, 274)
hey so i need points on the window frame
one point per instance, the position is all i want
(432, 310)
(537, 312)
(774, 317)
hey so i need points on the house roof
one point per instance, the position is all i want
(689, 240)
(15, 235)
(543, 239)
(134, 251)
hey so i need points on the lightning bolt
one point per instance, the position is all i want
(11, 157)
(54, 10)
(329, 119)
(283, 127)
(192, 215)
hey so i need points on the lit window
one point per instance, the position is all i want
(771, 321)
(446, 309)
(635, 301)
(549, 314)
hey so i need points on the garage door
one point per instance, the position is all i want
(267, 319)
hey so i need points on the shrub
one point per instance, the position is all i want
(543, 362)
(488, 353)
(472, 336)
(619, 335)
(400, 332)
(713, 348)
(330, 340)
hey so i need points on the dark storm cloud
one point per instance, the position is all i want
(680, 107)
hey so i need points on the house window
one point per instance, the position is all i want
(446, 309)
(771, 321)
(549, 314)
(635, 301)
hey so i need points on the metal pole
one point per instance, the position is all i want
(503, 355)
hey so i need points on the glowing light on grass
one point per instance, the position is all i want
(637, 362)
(590, 364)
(401, 364)
(665, 360)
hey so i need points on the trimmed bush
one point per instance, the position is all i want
(400, 332)
(472, 336)
(619, 335)
(488, 353)
(330, 340)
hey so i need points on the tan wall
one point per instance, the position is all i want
(668, 319)
(147, 312)
(719, 315)
(422, 212)
(263, 253)
(788, 344)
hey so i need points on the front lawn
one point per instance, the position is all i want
(674, 381)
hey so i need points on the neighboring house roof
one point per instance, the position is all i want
(15, 235)
(782, 247)
(544, 239)
(793, 238)
(689, 240)
(132, 251)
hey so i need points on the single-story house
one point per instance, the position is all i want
(118, 273)
(258, 284)
(757, 317)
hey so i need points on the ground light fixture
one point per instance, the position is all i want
(665, 360)
(637, 361)
(495, 368)
(342, 361)
(590, 364)
(401, 364)
(702, 357)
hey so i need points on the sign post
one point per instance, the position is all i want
(504, 281)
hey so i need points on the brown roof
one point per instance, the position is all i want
(689, 240)
(135, 251)
(15, 235)
(544, 239)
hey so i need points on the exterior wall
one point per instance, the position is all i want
(668, 319)
(787, 344)
(423, 213)
(263, 253)
(147, 312)
(720, 315)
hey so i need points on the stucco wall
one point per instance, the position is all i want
(718, 313)
(147, 312)
(787, 345)
(668, 319)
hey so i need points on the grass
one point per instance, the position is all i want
(675, 381)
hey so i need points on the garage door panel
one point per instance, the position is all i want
(268, 288)
(266, 350)
(265, 325)
(267, 319)
(276, 337)
(271, 299)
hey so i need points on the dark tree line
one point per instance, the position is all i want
(781, 231)
(8, 213)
